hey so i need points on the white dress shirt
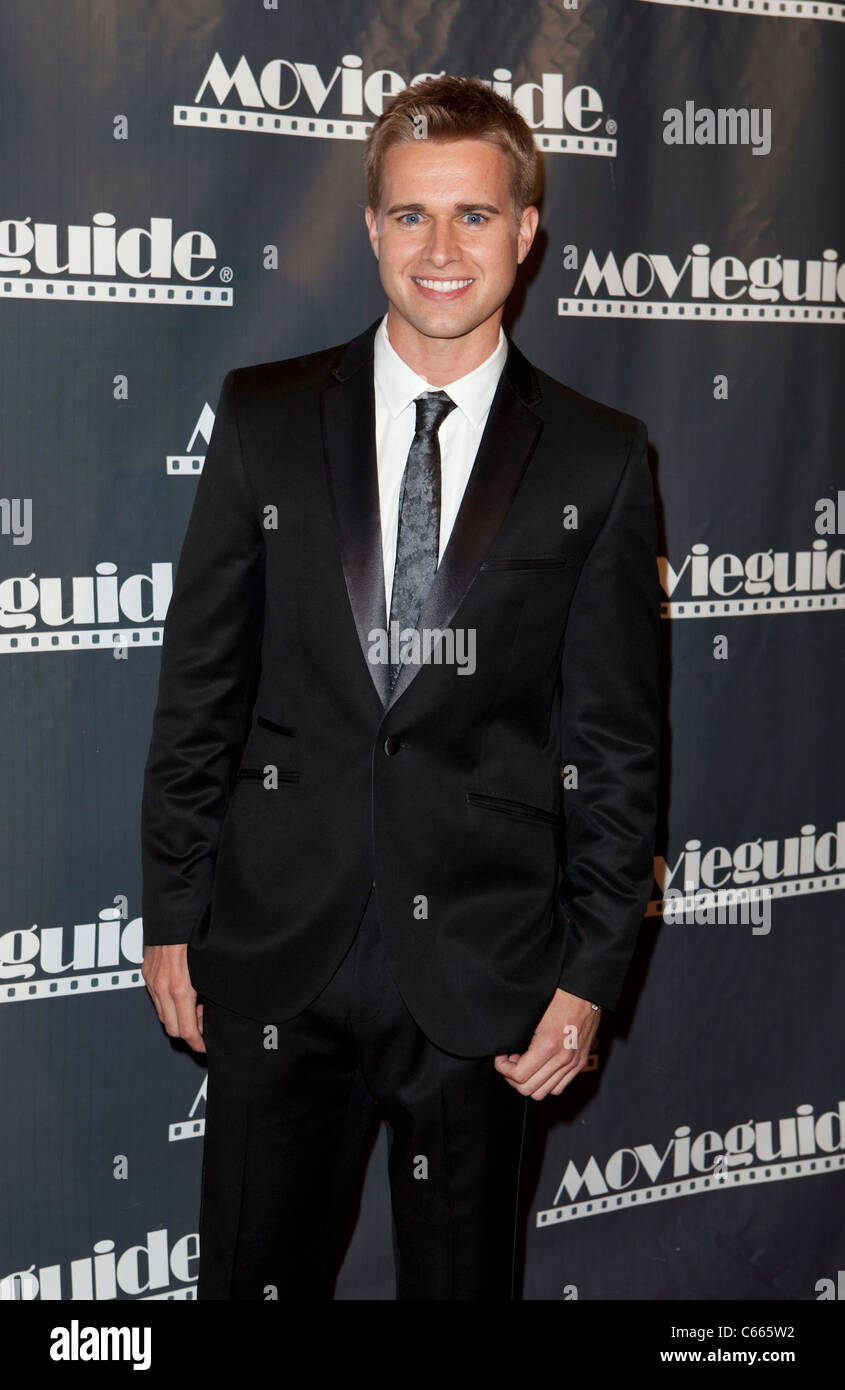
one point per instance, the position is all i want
(396, 386)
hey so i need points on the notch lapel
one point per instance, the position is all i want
(349, 444)
(507, 443)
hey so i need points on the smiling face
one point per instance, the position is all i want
(447, 246)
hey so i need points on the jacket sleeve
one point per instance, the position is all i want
(610, 711)
(210, 662)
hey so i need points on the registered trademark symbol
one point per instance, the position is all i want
(226, 274)
(610, 126)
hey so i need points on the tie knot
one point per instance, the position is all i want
(432, 409)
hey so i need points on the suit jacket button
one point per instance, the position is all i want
(391, 745)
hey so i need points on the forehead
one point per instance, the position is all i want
(444, 171)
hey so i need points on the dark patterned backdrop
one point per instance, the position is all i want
(182, 192)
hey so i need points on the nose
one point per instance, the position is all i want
(442, 245)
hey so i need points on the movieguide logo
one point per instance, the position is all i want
(713, 876)
(748, 1154)
(291, 97)
(52, 613)
(144, 1271)
(655, 285)
(42, 260)
(45, 962)
(710, 583)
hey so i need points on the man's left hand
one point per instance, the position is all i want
(558, 1050)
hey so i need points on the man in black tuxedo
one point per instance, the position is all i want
(407, 842)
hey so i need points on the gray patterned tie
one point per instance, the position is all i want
(418, 538)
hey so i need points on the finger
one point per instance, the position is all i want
(200, 1008)
(544, 1073)
(539, 1055)
(168, 1014)
(186, 1013)
(558, 1078)
(562, 1085)
(522, 1076)
(154, 997)
(152, 992)
(526, 1061)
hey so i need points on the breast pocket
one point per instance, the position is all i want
(271, 747)
(537, 563)
(508, 806)
(271, 771)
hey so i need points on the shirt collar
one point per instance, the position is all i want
(400, 384)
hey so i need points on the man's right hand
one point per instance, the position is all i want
(165, 973)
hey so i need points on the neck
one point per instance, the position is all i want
(441, 360)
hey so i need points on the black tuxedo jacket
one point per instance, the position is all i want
(283, 777)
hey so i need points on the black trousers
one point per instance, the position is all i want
(278, 1102)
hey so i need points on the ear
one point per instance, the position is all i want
(528, 224)
(372, 229)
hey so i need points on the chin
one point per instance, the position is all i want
(441, 323)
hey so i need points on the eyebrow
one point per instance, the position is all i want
(459, 207)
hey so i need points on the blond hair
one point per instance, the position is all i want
(454, 108)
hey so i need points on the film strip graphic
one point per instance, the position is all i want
(772, 9)
(341, 129)
(193, 1127)
(188, 1292)
(100, 983)
(690, 1187)
(91, 639)
(733, 313)
(24, 1288)
(735, 897)
(117, 292)
(185, 465)
(752, 607)
(185, 1129)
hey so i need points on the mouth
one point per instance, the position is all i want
(441, 289)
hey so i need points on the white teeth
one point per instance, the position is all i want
(444, 286)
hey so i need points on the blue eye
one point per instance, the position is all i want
(403, 219)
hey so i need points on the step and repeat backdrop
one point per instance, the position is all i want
(181, 192)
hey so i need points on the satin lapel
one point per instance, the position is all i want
(507, 443)
(349, 442)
